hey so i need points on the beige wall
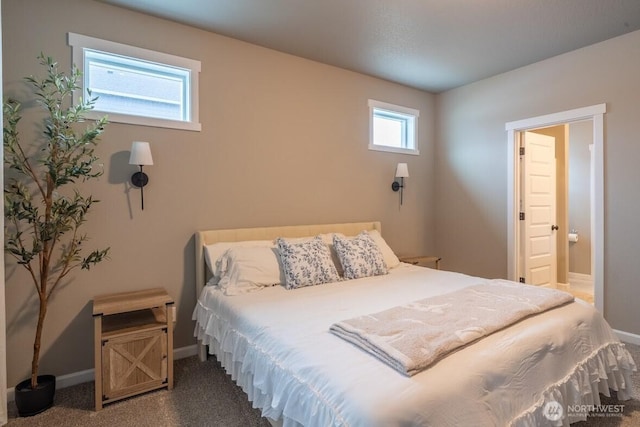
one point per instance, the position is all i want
(471, 161)
(283, 141)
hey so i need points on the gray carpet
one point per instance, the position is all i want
(205, 396)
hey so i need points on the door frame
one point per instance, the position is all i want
(595, 113)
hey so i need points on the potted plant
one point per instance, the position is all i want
(43, 215)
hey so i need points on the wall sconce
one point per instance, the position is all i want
(141, 156)
(402, 172)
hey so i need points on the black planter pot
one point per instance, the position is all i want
(33, 401)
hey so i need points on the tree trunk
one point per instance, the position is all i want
(36, 342)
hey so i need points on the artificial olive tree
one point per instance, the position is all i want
(43, 210)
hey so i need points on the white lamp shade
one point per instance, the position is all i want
(140, 154)
(402, 170)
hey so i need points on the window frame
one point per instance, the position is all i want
(411, 115)
(80, 42)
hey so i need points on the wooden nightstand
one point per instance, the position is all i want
(133, 344)
(422, 260)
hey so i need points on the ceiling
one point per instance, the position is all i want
(433, 45)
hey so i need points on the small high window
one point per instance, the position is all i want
(393, 128)
(138, 86)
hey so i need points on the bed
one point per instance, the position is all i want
(275, 343)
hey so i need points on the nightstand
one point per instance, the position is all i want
(422, 260)
(133, 344)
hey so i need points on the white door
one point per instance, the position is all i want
(538, 217)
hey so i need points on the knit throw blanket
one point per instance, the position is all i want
(411, 337)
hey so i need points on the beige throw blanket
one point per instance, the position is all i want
(411, 337)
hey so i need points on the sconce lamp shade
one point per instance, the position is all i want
(402, 170)
(140, 154)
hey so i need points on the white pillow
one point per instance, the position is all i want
(249, 269)
(360, 256)
(213, 252)
(390, 258)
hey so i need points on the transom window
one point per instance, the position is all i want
(138, 86)
(393, 128)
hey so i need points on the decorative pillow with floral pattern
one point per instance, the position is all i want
(360, 256)
(306, 263)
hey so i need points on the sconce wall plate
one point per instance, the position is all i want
(139, 179)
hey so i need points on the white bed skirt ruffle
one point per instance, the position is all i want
(276, 391)
(280, 394)
(607, 368)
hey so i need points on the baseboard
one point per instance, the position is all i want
(87, 375)
(579, 277)
(628, 337)
(184, 352)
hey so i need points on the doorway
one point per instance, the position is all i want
(594, 114)
(562, 226)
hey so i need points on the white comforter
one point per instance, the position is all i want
(411, 337)
(277, 346)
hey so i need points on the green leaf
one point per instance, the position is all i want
(39, 218)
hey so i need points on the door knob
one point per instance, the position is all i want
(554, 227)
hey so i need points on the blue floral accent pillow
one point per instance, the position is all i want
(359, 256)
(306, 263)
